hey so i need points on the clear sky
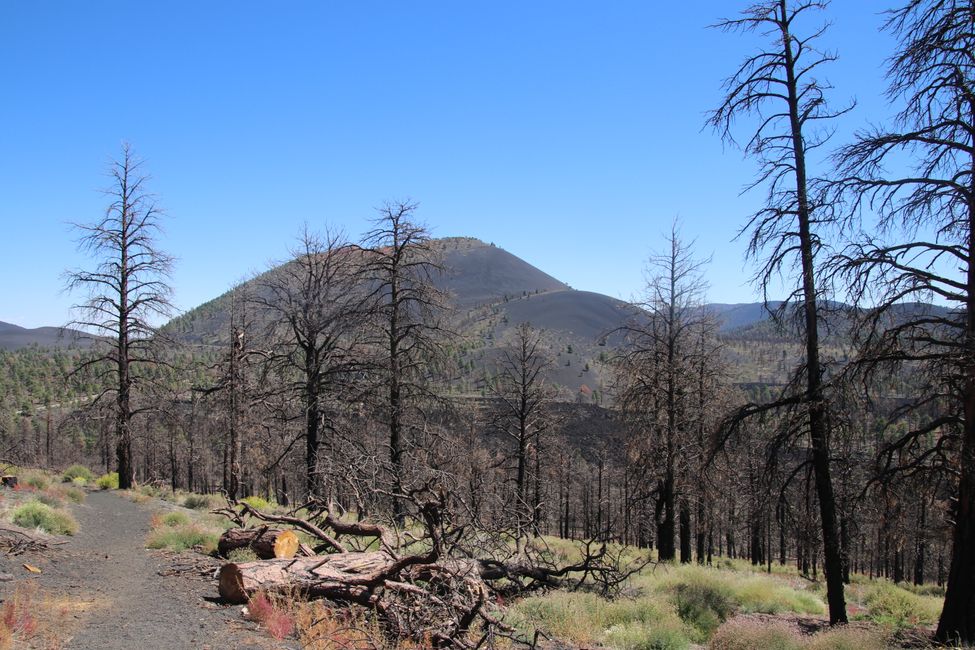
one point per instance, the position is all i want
(569, 133)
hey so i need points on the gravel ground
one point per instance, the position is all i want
(130, 605)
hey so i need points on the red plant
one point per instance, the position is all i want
(18, 619)
(276, 621)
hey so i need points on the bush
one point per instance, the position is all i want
(79, 482)
(172, 519)
(259, 503)
(753, 635)
(76, 472)
(108, 481)
(197, 501)
(703, 605)
(639, 636)
(74, 494)
(182, 538)
(35, 514)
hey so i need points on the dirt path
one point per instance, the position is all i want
(129, 604)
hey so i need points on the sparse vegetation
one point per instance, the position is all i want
(751, 635)
(108, 481)
(34, 514)
(200, 501)
(75, 472)
(183, 537)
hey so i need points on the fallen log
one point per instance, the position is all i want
(267, 543)
(340, 576)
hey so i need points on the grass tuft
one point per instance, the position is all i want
(240, 555)
(34, 514)
(171, 519)
(198, 501)
(182, 538)
(77, 472)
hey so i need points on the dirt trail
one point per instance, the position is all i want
(131, 605)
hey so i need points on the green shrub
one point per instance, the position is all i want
(198, 501)
(76, 472)
(585, 619)
(753, 635)
(173, 519)
(703, 605)
(148, 490)
(108, 481)
(892, 606)
(79, 482)
(639, 636)
(259, 503)
(182, 538)
(74, 494)
(35, 514)
(762, 595)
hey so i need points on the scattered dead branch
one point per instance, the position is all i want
(436, 579)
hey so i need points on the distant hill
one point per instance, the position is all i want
(734, 316)
(492, 291)
(14, 337)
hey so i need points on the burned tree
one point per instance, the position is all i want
(406, 312)
(313, 307)
(658, 374)
(126, 291)
(778, 88)
(922, 247)
(522, 394)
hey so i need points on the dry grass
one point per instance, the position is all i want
(30, 617)
(320, 626)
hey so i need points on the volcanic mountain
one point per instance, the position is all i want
(492, 291)
(14, 337)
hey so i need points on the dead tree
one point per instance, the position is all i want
(407, 312)
(313, 309)
(522, 394)
(656, 376)
(922, 246)
(777, 87)
(126, 291)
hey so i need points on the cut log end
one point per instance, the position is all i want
(286, 544)
(231, 584)
(267, 543)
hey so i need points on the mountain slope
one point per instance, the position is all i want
(14, 337)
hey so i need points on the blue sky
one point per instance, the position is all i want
(569, 133)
